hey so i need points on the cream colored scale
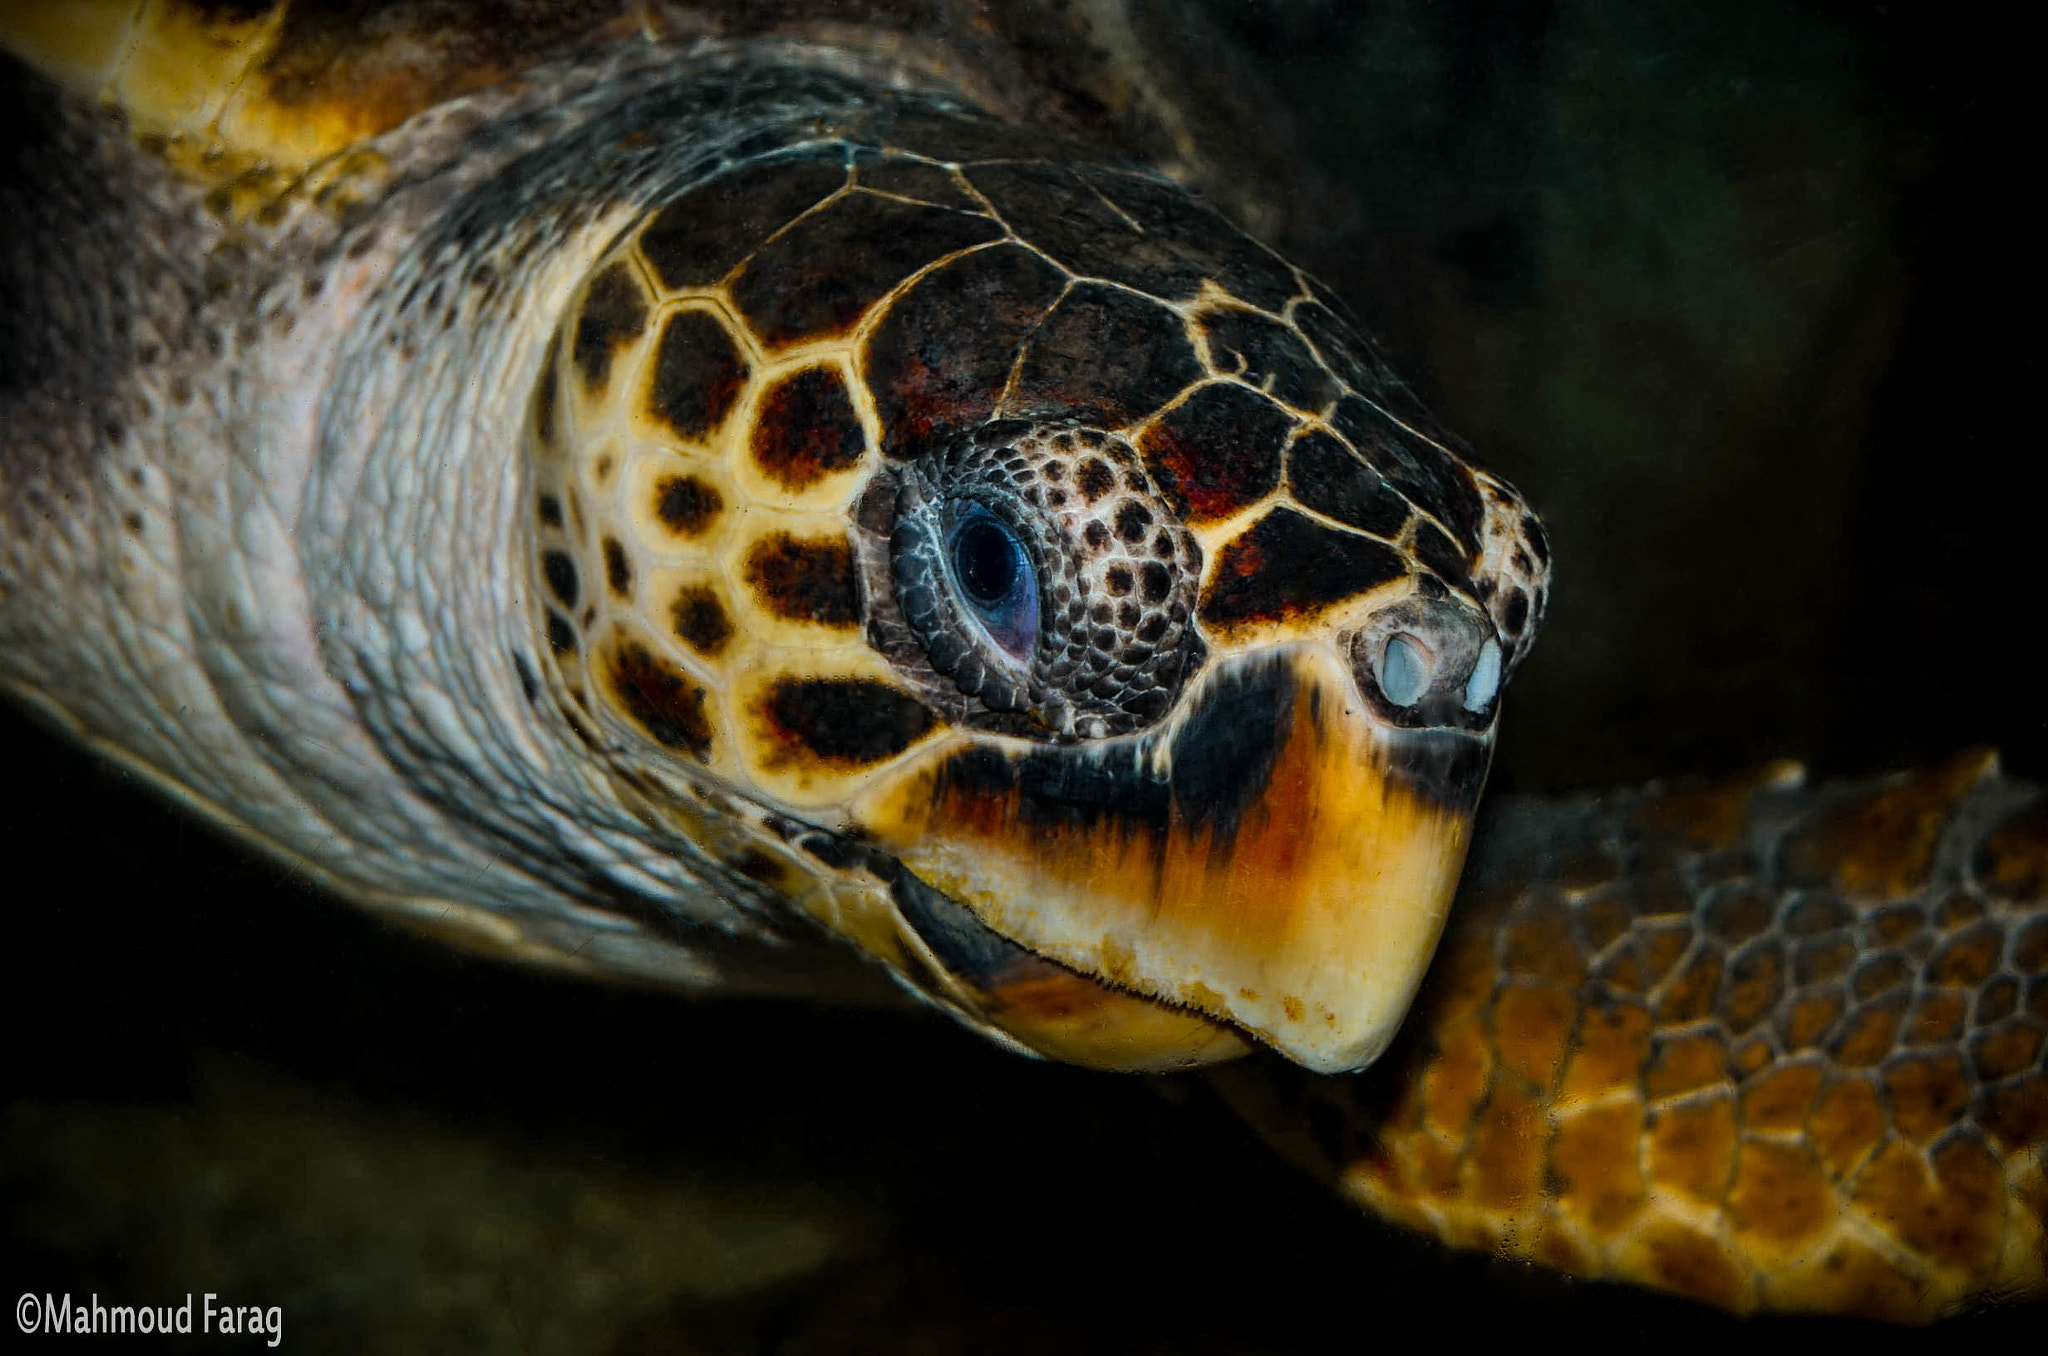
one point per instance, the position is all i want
(614, 461)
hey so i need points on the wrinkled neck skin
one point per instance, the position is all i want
(330, 591)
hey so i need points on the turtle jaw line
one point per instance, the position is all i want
(1041, 1006)
(1275, 859)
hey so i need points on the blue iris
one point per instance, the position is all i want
(995, 576)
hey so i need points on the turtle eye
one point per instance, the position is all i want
(1033, 580)
(994, 575)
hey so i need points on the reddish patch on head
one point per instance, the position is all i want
(806, 429)
(1287, 565)
(1219, 449)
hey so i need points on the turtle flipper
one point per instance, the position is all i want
(1771, 1047)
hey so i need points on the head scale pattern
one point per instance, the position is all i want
(1110, 571)
(1188, 445)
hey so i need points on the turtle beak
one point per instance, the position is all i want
(1276, 860)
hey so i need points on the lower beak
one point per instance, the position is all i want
(1274, 861)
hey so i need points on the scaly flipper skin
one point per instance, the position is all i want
(1766, 1046)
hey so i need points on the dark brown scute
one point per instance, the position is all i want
(686, 505)
(1358, 364)
(698, 371)
(549, 509)
(1265, 353)
(1816, 913)
(806, 429)
(848, 721)
(1429, 477)
(699, 619)
(931, 374)
(915, 179)
(958, 137)
(1219, 449)
(822, 274)
(1440, 554)
(1329, 477)
(1132, 229)
(1287, 565)
(614, 313)
(1354, 360)
(666, 702)
(805, 579)
(703, 235)
(1106, 355)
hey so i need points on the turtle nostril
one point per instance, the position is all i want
(1430, 661)
(1403, 670)
(1485, 680)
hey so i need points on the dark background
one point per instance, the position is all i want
(1743, 296)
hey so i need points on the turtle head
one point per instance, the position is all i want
(1208, 779)
(1102, 636)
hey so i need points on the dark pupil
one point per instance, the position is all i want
(986, 559)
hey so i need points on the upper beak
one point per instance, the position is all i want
(1277, 859)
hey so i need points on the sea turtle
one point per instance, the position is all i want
(773, 525)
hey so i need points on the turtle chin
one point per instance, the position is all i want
(1274, 862)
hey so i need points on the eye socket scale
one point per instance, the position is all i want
(1032, 579)
(993, 573)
